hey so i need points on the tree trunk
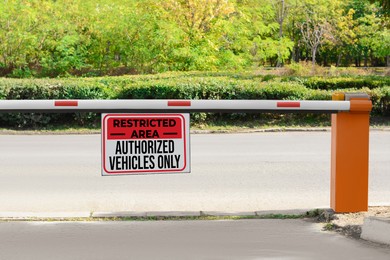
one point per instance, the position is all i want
(313, 60)
(365, 59)
(348, 60)
(295, 56)
(280, 20)
(338, 60)
(313, 56)
(373, 60)
(325, 61)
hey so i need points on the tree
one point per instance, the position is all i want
(344, 34)
(259, 26)
(203, 24)
(314, 34)
(281, 10)
(18, 24)
(384, 3)
(60, 38)
(316, 26)
(368, 27)
(381, 46)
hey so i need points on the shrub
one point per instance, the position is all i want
(330, 83)
(188, 85)
(52, 89)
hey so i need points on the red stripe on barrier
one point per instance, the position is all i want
(289, 104)
(66, 103)
(179, 103)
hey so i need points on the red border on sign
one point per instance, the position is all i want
(142, 171)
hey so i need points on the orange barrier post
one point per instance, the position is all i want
(349, 154)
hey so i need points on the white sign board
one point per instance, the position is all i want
(145, 143)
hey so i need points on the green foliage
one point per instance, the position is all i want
(190, 85)
(330, 83)
(381, 100)
(48, 89)
(41, 38)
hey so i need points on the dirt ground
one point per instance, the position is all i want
(350, 224)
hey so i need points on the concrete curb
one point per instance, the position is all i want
(198, 131)
(168, 214)
(195, 131)
(121, 214)
(284, 212)
(124, 214)
(31, 215)
(173, 214)
(376, 229)
(266, 130)
(225, 214)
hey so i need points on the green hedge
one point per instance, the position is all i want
(347, 82)
(182, 86)
(48, 89)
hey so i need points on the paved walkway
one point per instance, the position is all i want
(240, 239)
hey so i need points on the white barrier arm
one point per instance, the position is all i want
(153, 105)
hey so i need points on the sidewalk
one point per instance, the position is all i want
(234, 239)
(373, 225)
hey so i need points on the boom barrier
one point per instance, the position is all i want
(114, 106)
(350, 130)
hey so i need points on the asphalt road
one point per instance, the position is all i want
(243, 240)
(230, 172)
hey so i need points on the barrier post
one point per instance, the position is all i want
(349, 154)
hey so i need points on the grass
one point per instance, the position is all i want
(329, 227)
(380, 121)
(277, 122)
(51, 130)
(266, 121)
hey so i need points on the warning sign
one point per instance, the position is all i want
(145, 143)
